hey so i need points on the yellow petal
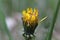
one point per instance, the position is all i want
(24, 12)
(36, 14)
(27, 16)
(29, 10)
(35, 11)
(33, 18)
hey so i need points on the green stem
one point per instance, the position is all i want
(53, 22)
(3, 25)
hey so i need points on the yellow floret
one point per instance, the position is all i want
(35, 12)
(27, 16)
(29, 10)
(33, 18)
(24, 12)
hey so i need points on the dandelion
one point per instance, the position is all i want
(30, 20)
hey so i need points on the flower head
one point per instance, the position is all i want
(30, 15)
(30, 20)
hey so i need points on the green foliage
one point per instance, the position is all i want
(53, 22)
(3, 26)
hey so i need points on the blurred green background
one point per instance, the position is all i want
(11, 8)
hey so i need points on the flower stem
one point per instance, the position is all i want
(53, 22)
(3, 25)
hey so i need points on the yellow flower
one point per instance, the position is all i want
(30, 20)
(30, 15)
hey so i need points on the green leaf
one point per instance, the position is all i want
(49, 36)
(3, 25)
